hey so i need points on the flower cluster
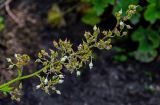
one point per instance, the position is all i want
(65, 57)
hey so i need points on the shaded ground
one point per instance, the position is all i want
(109, 83)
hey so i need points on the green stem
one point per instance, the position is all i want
(24, 77)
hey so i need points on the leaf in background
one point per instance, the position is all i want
(97, 8)
(2, 25)
(149, 41)
(55, 16)
(154, 38)
(152, 12)
(91, 18)
(138, 34)
(100, 5)
(120, 57)
(151, 1)
(145, 56)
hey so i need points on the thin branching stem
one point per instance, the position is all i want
(24, 77)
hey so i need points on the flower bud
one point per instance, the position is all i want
(46, 81)
(38, 86)
(128, 27)
(15, 55)
(63, 59)
(60, 81)
(58, 92)
(121, 24)
(90, 65)
(78, 73)
(11, 66)
(132, 6)
(124, 33)
(120, 12)
(61, 76)
(9, 60)
(95, 28)
(80, 46)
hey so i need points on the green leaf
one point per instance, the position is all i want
(149, 41)
(152, 1)
(2, 25)
(120, 58)
(150, 13)
(91, 18)
(100, 5)
(145, 56)
(154, 38)
(97, 9)
(138, 34)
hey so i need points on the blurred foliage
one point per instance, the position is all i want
(120, 56)
(95, 10)
(149, 41)
(152, 12)
(2, 24)
(147, 36)
(55, 16)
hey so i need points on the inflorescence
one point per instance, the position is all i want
(65, 57)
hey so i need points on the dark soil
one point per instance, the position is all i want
(108, 83)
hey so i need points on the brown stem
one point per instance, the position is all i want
(11, 14)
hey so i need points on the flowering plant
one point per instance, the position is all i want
(65, 57)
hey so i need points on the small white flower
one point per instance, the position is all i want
(11, 66)
(15, 55)
(121, 23)
(90, 65)
(61, 76)
(108, 47)
(120, 12)
(60, 81)
(78, 73)
(128, 27)
(58, 92)
(95, 28)
(38, 86)
(46, 81)
(9, 60)
(53, 88)
(64, 58)
(80, 46)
